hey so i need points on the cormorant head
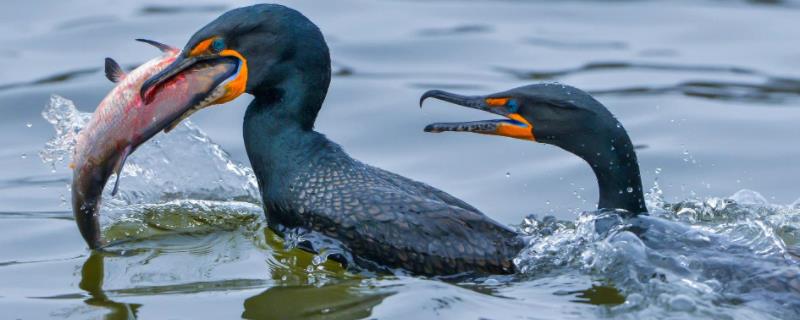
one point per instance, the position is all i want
(549, 113)
(272, 45)
(565, 117)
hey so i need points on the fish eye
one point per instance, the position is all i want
(218, 45)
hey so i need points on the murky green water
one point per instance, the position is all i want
(709, 91)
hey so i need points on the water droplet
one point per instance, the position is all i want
(658, 170)
(29, 124)
(508, 174)
(630, 189)
(24, 156)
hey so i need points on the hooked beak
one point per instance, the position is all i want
(227, 86)
(514, 126)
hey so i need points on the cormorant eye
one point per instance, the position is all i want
(513, 106)
(218, 45)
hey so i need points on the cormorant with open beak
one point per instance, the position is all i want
(568, 118)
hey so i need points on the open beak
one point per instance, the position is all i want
(514, 126)
(226, 86)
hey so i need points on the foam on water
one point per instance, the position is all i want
(734, 257)
(720, 258)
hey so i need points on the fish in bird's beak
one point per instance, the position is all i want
(514, 126)
(123, 121)
(209, 51)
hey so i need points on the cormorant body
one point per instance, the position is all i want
(308, 182)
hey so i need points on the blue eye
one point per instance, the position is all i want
(218, 44)
(513, 106)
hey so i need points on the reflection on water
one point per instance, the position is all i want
(597, 295)
(92, 274)
(709, 87)
(343, 300)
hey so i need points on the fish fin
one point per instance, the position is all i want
(118, 168)
(114, 71)
(159, 45)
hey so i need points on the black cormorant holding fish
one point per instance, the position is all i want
(308, 182)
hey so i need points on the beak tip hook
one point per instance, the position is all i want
(426, 95)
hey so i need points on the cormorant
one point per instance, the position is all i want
(568, 118)
(308, 182)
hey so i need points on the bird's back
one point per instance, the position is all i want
(392, 220)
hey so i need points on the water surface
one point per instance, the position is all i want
(707, 89)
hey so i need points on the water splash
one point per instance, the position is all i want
(67, 121)
(182, 177)
(720, 258)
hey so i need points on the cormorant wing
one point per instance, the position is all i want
(425, 189)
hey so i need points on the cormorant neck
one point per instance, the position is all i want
(297, 99)
(616, 168)
(276, 143)
(278, 125)
(279, 121)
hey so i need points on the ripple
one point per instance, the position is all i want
(620, 65)
(177, 9)
(55, 78)
(764, 88)
(575, 44)
(460, 29)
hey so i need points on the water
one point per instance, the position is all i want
(707, 89)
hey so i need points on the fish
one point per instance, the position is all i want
(123, 121)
